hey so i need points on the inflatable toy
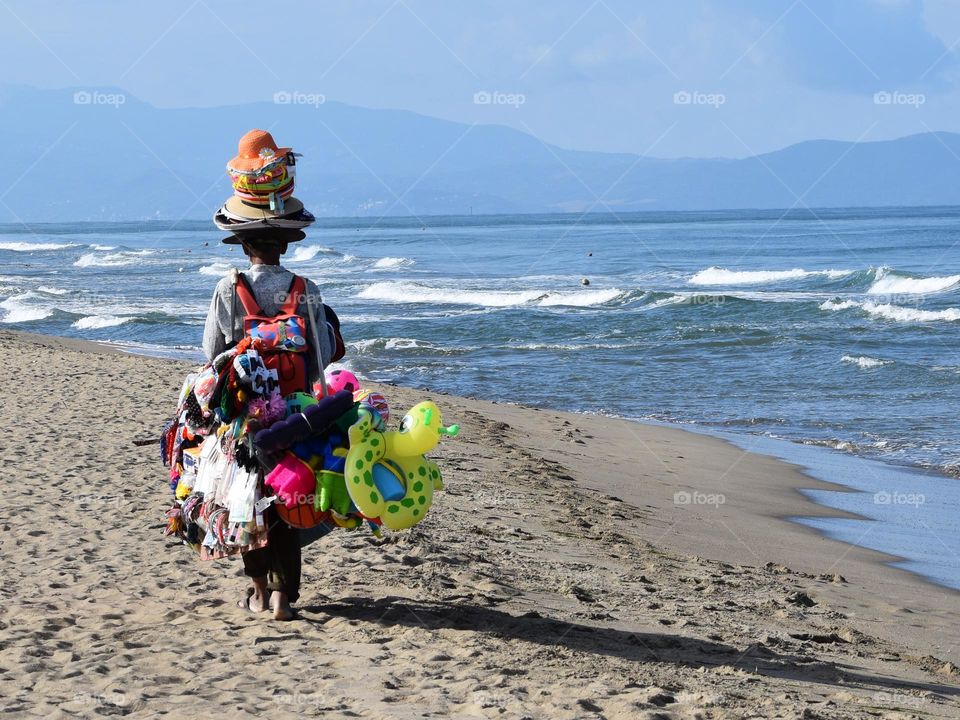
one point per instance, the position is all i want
(332, 493)
(302, 515)
(312, 421)
(374, 400)
(399, 453)
(298, 402)
(338, 380)
(292, 480)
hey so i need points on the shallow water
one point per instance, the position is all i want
(905, 512)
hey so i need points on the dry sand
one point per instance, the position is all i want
(556, 577)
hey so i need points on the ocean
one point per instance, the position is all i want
(837, 328)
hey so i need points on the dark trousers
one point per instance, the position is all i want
(279, 561)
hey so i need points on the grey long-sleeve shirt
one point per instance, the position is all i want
(269, 284)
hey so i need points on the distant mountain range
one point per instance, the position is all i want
(101, 154)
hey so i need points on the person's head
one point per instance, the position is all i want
(264, 251)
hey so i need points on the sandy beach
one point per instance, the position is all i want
(560, 575)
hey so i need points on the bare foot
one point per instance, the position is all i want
(281, 606)
(253, 601)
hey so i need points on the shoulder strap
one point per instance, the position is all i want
(245, 293)
(296, 293)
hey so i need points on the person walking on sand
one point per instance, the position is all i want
(274, 570)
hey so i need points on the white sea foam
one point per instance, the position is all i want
(17, 311)
(217, 269)
(583, 298)
(864, 362)
(403, 292)
(388, 263)
(95, 322)
(34, 246)
(307, 252)
(124, 257)
(896, 313)
(52, 290)
(723, 276)
(103, 248)
(304, 252)
(888, 283)
(399, 292)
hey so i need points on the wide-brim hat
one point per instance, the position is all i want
(235, 215)
(237, 209)
(287, 235)
(255, 151)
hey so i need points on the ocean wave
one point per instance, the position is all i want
(217, 269)
(568, 347)
(390, 263)
(17, 311)
(96, 322)
(865, 362)
(897, 313)
(889, 282)
(52, 290)
(723, 276)
(124, 257)
(302, 253)
(103, 248)
(371, 345)
(403, 292)
(34, 247)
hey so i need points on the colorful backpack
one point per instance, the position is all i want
(283, 336)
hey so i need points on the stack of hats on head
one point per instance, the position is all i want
(262, 203)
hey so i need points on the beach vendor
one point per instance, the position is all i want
(275, 569)
(264, 219)
(266, 450)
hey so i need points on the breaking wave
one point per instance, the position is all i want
(723, 276)
(404, 292)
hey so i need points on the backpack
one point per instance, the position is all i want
(283, 336)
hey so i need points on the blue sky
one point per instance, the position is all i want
(669, 79)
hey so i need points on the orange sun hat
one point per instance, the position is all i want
(255, 151)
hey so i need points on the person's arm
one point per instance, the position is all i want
(325, 337)
(214, 341)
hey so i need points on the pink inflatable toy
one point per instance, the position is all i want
(292, 480)
(338, 380)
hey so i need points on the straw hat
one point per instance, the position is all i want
(255, 151)
(236, 215)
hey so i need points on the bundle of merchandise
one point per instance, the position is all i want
(238, 446)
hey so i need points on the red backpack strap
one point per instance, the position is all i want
(296, 294)
(245, 293)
